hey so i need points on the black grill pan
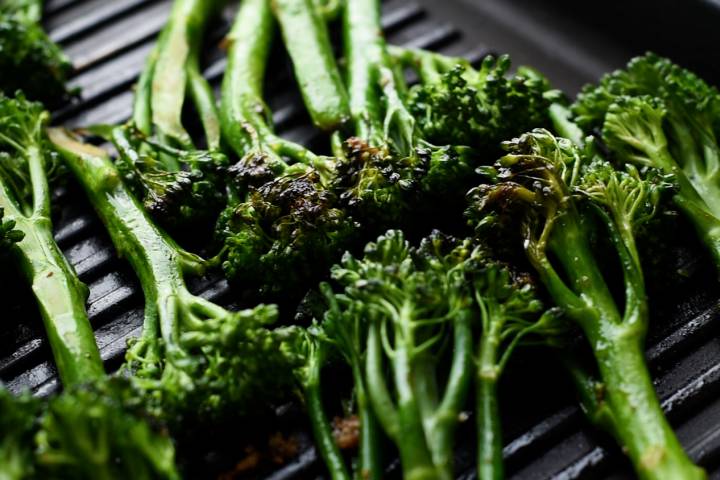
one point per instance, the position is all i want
(546, 434)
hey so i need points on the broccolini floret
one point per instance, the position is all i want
(657, 114)
(18, 424)
(8, 234)
(456, 104)
(382, 171)
(411, 311)
(29, 60)
(283, 225)
(190, 194)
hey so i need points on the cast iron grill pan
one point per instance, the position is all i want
(546, 434)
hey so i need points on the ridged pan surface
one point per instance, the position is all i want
(546, 435)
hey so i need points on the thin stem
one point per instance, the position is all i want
(365, 54)
(640, 426)
(59, 293)
(38, 179)
(706, 224)
(560, 116)
(445, 421)
(322, 430)
(377, 389)
(204, 100)
(308, 43)
(489, 453)
(156, 259)
(249, 47)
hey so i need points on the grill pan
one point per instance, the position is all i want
(546, 435)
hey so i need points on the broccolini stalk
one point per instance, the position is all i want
(307, 40)
(246, 121)
(539, 181)
(509, 314)
(193, 356)
(181, 184)
(70, 428)
(411, 312)
(172, 73)
(340, 332)
(29, 60)
(657, 114)
(282, 225)
(26, 160)
(347, 333)
(379, 170)
(308, 353)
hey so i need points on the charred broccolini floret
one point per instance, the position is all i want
(382, 173)
(559, 192)
(29, 60)
(285, 232)
(656, 114)
(194, 357)
(179, 183)
(282, 225)
(67, 428)
(190, 194)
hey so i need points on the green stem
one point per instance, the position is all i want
(489, 452)
(441, 431)
(570, 245)
(142, 110)
(429, 65)
(377, 390)
(490, 448)
(242, 88)
(245, 118)
(561, 118)
(61, 298)
(169, 69)
(157, 260)
(322, 429)
(370, 466)
(415, 455)
(591, 393)
(60, 294)
(204, 100)
(639, 423)
(308, 43)
(365, 53)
